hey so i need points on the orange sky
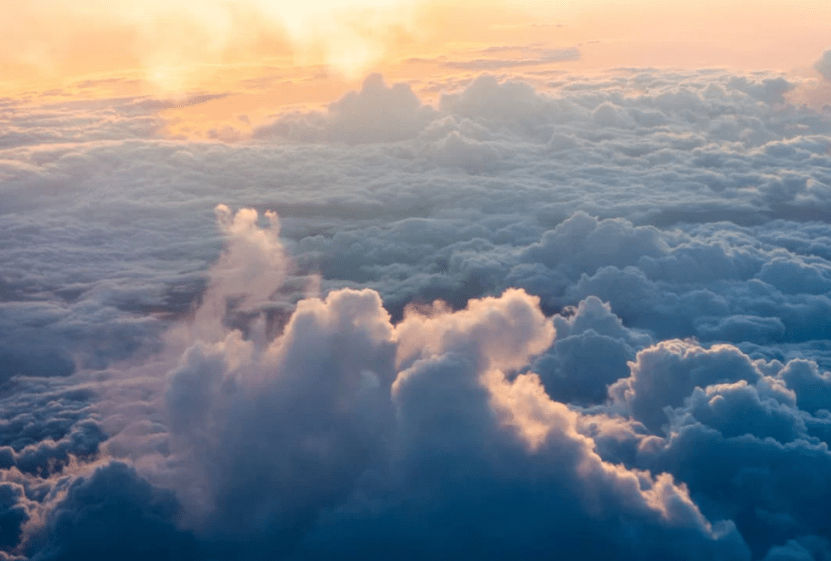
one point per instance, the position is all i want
(267, 54)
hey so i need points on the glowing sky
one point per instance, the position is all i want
(175, 44)
(267, 54)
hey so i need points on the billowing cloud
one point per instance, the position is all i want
(376, 113)
(344, 405)
(582, 319)
(823, 65)
(113, 512)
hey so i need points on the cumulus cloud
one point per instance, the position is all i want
(13, 514)
(665, 374)
(628, 357)
(357, 411)
(593, 349)
(113, 512)
(823, 65)
(376, 113)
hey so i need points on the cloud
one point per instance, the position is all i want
(533, 57)
(511, 102)
(13, 514)
(810, 547)
(630, 357)
(358, 412)
(376, 113)
(823, 65)
(593, 349)
(812, 387)
(668, 372)
(113, 512)
(717, 407)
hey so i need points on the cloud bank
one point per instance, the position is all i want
(587, 319)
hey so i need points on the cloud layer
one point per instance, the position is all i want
(628, 356)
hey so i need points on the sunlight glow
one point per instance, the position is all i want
(269, 54)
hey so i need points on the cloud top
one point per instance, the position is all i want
(823, 65)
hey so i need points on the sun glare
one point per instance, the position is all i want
(268, 55)
(68, 39)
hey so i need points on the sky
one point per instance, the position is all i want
(403, 279)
